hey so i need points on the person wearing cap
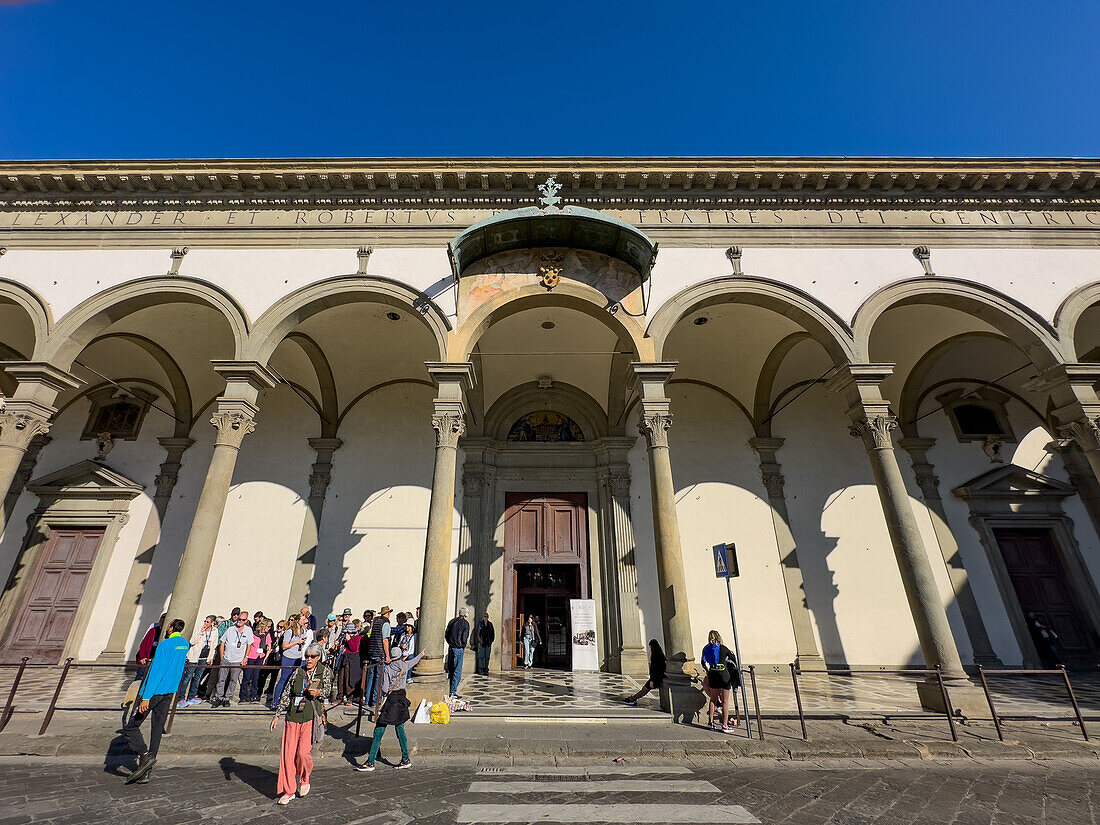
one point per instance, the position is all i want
(457, 637)
(378, 651)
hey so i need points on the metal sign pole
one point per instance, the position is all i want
(737, 653)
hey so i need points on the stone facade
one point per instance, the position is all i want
(329, 399)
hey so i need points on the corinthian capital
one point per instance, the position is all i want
(1085, 431)
(449, 427)
(18, 427)
(654, 426)
(874, 430)
(233, 425)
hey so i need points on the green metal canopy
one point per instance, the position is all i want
(570, 226)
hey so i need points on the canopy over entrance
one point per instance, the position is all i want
(550, 225)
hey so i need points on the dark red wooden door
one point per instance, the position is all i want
(42, 627)
(1043, 588)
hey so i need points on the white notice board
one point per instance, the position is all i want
(582, 615)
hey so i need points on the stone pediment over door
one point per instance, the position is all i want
(85, 480)
(1014, 489)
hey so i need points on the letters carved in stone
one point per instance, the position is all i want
(654, 426)
(875, 431)
(449, 427)
(232, 427)
(1086, 433)
(17, 429)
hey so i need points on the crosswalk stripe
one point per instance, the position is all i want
(610, 770)
(629, 813)
(596, 786)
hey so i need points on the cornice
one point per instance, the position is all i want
(510, 182)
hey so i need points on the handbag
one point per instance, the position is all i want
(319, 722)
(132, 693)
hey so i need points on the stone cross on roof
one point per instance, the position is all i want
(550, 191)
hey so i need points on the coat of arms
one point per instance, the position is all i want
(551, 268)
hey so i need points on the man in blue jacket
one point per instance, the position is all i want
(162, 680)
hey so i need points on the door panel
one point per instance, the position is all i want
(41, 629)
(1042, 588)
(546, 531)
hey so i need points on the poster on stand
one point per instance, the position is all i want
(582, 616)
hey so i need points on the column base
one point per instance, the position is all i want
(681, 699)
(966, 699)
(112, 657)
(813, 661)
(432, 687)
(634, 662)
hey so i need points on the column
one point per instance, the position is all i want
(633, 658)
(234, 417)
(165, 482)
(873, 422)
(929, 484)
(448, 421)
(656, 419)
(306, 561)
(24, 474)
(27, 414)
(807, 654)
(1072, 389)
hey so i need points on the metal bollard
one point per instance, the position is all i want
(11, 696)
(989, 699)
(946, 704)
(1073, 701)
(756, 702)
(56, 694)
(362, 696)
(798, 699)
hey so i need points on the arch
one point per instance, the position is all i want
(911, 394)
(32, 304)
(91, 317)
(825, 326)
(181, 392)
(291, 310)
(561, 398)
(581, 297)
(1025, 328)
(328, 406)
(1070, 312)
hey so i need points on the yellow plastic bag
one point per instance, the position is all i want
(441, 714)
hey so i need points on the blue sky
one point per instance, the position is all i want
(168, 79)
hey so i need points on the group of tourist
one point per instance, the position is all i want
(249, 658)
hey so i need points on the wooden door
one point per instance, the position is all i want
(1043, 588)
(41, 628)
(540, 529)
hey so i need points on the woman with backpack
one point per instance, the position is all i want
(723, 676)
(303, 704)
(395, 707)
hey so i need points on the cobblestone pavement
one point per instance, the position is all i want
(194, 789)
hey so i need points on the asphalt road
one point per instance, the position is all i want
(211, 790)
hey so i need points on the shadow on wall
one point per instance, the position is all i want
(371, 543)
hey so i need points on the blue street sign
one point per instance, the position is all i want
(725, 561)
(721, 563)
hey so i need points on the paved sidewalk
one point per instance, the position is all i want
(559, 741)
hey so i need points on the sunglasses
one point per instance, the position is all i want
(312, 656)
